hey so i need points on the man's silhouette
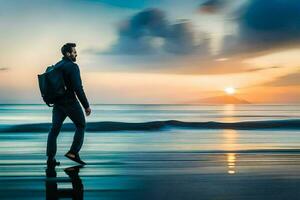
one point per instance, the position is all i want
(68, 106)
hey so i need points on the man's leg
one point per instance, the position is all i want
(76, 114)
(58, 117)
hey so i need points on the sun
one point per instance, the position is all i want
(230, 90)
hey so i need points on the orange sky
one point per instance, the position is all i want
(134, 87)
(193, 56)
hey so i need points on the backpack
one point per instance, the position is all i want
(52, 85)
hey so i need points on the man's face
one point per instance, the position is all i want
(73, 54)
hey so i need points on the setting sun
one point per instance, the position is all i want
(230, 90)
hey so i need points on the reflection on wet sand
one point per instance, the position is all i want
(231, 160)
(171, 163)
(52, 181)
(157, 175)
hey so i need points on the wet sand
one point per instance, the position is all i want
(154, 175)
(173, 164)
(161, 152)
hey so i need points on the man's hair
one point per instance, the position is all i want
(67, 48)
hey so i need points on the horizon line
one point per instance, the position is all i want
(206, 104)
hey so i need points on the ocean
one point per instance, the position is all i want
(134, 148)
(35, 113)
(150, 127)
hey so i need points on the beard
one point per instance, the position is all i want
(73, 59)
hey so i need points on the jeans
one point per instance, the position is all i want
(74, 111)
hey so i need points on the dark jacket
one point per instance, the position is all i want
(71, 74)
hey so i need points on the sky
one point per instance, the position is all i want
(155, 51)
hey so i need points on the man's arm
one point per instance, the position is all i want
(77, 86)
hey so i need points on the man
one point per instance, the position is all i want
(68, 106)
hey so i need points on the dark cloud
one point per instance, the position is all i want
(149, 32)
(261, 69)
(133, 4)
(261, 24)
(265, 25)
(287, 80)
(180, 39)
(211, 6)
(142, 34)
(270, 21)
(3, 68)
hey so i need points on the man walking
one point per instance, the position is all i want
(68, 106)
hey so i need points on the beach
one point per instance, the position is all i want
(168, 162)
(181, 100)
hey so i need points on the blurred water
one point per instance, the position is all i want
(163, 164)
(18, 114)
(166, 140)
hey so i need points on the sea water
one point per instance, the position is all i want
(173, 139)
(206, 163)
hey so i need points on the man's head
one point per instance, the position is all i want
(69, 51)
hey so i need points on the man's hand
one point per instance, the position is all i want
(88, 111)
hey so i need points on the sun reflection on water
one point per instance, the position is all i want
(228, 111)
(231, 163)
(230, 144)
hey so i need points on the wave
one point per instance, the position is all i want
(288, 124)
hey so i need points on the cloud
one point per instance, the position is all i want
(142, 33)
(231, 8)
(149, 32)
(180, 39)
(287, 80)
(149, 37)
(261, 69)
(3, 68)
(271, 21)
(264, 25)
(212, 6)
(234, 65)
(133, 4)
(260, 24)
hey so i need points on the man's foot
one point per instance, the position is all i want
(50, 171)
(52, 162)
(72, 171)
(75, 157)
